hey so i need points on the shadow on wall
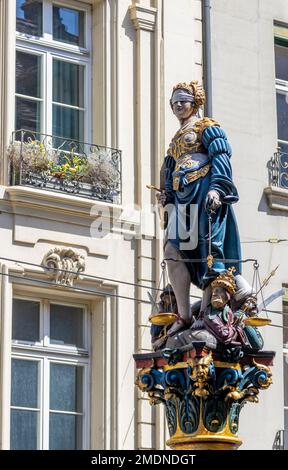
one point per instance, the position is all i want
(263, 207)
(128, 26)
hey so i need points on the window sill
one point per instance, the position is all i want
(277, 198)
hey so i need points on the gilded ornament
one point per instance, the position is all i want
(210, 261)
(200, 374)
(169, 393)
(202, 124)
(193, 176)
(142, 386)
(264, 384)
(186, 140)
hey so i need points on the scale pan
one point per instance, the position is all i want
(162, 319)
(257, 321)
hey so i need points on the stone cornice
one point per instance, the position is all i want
(21, 275)
(277, 198)
(143, 17)
(56, 207)
(54, 204)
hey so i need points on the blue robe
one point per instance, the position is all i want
(225, 243)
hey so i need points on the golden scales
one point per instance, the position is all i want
(256, 321)
(164, 311)
(162, 318)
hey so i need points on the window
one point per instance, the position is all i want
(49, 376)
(281, 63)
(281, 73)
(29, 101)
(53, 68)
(68, 25)
(29, 17)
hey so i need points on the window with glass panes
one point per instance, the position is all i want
(53, 68)
(49, 375)
(281, 73)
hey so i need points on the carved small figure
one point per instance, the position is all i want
(161, 322)
(219, 317)
(249, 309)
(201, 374)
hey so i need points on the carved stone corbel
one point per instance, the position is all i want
(64, 265)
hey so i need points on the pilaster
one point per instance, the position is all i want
(5, 357)
(7, 80)
(144, 19)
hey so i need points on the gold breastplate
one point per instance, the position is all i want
(185, 141)
(188, 140)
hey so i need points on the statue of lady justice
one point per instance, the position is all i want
(197, 174)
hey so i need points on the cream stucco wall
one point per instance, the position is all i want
(244, 101)
(140, 50)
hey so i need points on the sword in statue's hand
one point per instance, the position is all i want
(161, 208)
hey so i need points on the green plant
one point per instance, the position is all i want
(73, 166)
(34, 157)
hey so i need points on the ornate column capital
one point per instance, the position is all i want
(143, 17)
(203, 394)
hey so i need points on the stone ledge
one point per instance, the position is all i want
(23, 196)
(45, 215)
(71, 209)
(277, 198)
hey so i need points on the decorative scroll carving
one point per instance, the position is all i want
(64, 265)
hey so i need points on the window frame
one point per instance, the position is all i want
(280, 85)
(40, 398)
(47, 354)
(48, 48)
(44, 326)
(29, 343)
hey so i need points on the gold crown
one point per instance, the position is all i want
(195, 89)
(226, 280)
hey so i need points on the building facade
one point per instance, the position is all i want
(85, 89)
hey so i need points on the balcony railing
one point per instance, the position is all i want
(281, 440)
(278, 169)
(52, 163)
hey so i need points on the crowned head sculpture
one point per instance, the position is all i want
(226, 280)
(223, 288)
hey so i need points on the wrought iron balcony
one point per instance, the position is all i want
(52, 163)
(281, 440)
(278, 169)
